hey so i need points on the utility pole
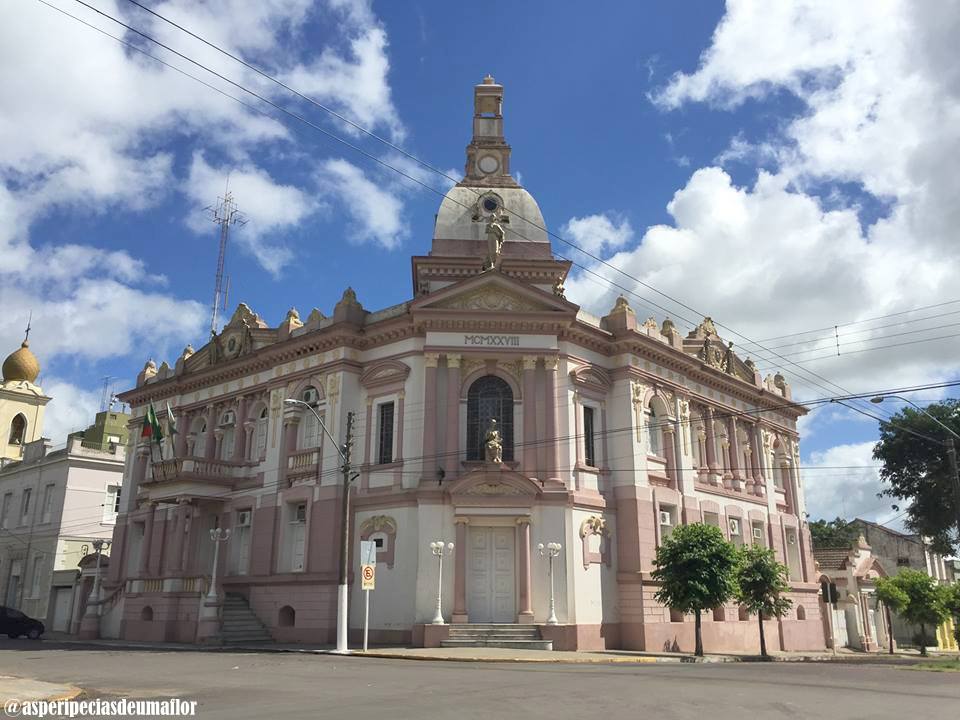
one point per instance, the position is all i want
(952, 457)
(342, 590)
(224, 214)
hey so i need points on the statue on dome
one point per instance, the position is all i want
(495, 237)
(493, 444)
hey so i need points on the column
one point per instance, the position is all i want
(460, 571)
(188, 522)
(670, 454)
(758, 460)
(180, 439)
(367, 434)
(452, 455)
(711, 444)
(736, 457)
(428, 471)
(210, 451)
(530, 438)
(143, 567)
(525, 615)
(239, 436)
(550, 431)
(398, 456)
(176, 540)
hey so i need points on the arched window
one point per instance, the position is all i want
(228, 422)
(309, 435)
(654, 432)
(489, 398)
(259, 447)
(199, 433)
(146, 614)
(287, 616)
(18, 430)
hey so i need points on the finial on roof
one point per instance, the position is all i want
(488, 80)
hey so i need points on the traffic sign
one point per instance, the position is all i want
(368, 575)
(368, 552)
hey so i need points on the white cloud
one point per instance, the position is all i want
(376, 213)
(71, 408)
(268, 207)
(596, 233)
(844, 481)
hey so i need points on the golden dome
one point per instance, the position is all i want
(21, 365)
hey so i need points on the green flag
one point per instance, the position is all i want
(171, 421)
(151, 426)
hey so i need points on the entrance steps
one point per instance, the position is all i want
(240, 626)
(523, 637)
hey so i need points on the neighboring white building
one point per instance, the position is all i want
(53, 505)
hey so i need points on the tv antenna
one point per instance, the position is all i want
(224, 214)
(107, 398)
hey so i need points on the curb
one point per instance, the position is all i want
(542, 661)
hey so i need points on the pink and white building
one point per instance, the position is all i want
(614, 432)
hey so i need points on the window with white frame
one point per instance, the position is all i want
(793, 554)
(589, 439)
(260, 436)
(199, 437)
(47, 508)
(385, 433)
(309, 436)
(111, 504)
(5, 511)
(757, 536)
(228, 428)
(652, 426)
(711, 518)
(25, 506)
(735, 529)
(297, 537)
(36, 576)
(667, 519)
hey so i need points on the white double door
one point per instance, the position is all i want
(491, 591)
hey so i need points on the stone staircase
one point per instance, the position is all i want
(240, 626)
(526, 637)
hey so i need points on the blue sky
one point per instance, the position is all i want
(781, 169)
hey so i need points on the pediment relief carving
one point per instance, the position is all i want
(384, 373)
(493, 488)
(491, 299)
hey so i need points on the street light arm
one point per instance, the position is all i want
(291, 401)
(911, 402)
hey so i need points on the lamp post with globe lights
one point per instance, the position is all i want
(438, 548)
(550, 551)
(217, 535)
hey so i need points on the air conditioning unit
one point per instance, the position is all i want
(734, 526)
(311, 396)
(665, 518)
(228, 418)
(791, 539)
(243, 518)
(757, 533)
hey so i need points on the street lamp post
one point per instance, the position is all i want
(949, 444)
(342, 589)
(217, 535)
(437, 548)
(550, 551)
(98, 546)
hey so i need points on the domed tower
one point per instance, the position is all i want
(488, 220)
(22, 401)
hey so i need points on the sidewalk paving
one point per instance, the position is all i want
(488, 654)
(27, 689)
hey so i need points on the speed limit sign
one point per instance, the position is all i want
(368, 574)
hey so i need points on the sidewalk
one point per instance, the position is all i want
(485, 654)
(26, 689)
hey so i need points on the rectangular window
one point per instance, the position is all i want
(35, 578)
(5, 512)
(589, 446)
(710, 518)
(25, 505)
(385, 434)
(48, 502)
(793, 556)
(736, 531)
(756, 534)
(667, 517)
(111, 505)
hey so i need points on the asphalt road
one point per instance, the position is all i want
(270, 685)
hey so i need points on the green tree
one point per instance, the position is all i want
(760, 582)
(918, 471)
(833, 533)
(917, 598)
(696, 569)
(951, 597)
(894, 599)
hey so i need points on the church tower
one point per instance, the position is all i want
(22, 402)
(488, 154)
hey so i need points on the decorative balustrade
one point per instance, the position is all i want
(303, 460)
(196, 469)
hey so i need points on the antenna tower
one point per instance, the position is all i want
(224, 214)
(106, 394)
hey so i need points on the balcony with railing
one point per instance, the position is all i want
(193, 476)
(302, 466)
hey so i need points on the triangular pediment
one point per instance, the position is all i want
(493, 292)
(490, 481)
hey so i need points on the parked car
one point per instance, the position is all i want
(14, 623)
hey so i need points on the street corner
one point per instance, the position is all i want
(14, 691)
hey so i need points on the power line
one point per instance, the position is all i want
(407, 175)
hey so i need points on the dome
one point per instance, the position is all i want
(462, 204)
(21, 365)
